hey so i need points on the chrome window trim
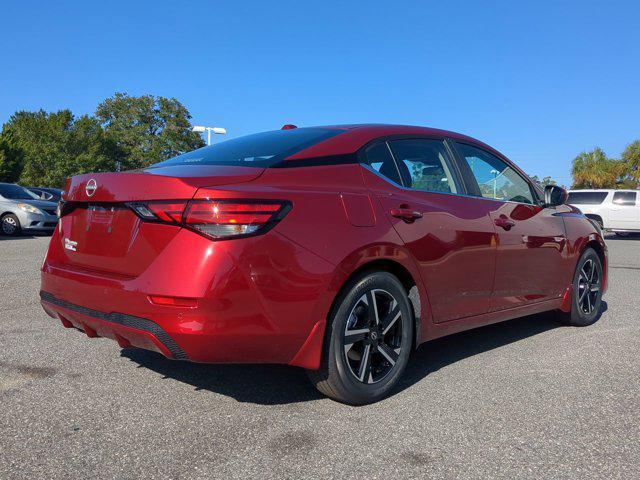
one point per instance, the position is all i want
(463, 195)
(508, 163)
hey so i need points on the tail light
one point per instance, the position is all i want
(216, 219)
(65, 208)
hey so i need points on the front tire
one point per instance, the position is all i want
(368, 340)
(586, 295)
(10, 225)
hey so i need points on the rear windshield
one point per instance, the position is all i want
(16, 192)
(257, 150)
(586, 198)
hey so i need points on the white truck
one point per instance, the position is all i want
(616, 211)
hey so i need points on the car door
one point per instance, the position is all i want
(450, 235)
(624, 212)
(531, 249)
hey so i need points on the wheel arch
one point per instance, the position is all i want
(597, 247)
(395, 260)
(596, 242)
(386, 265)
(390, 258)
(595, 217)
(602, 254)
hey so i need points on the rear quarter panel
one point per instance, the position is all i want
(334, 217)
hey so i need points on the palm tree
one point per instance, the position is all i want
(594, 170)
(631, 157)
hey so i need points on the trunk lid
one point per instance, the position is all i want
(170, 183)
(101, 234)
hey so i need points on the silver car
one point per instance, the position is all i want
(22, 211)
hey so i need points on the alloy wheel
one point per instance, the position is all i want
(373, 336)
(589, 285)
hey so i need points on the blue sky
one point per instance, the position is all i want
(540, 80)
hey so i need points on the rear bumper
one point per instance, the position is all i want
(259, 300)
(127, 330)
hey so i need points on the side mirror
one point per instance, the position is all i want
(554, 196)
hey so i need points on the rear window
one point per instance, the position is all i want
(586, 198)
(257, 150)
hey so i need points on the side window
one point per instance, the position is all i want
(624, 198)
(496, 179)
(424, 165)
(379, 158)
(586, 198)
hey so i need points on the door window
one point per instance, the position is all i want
(495, 178)
(424, 165)
(624, 198)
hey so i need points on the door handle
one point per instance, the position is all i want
(504, 222)
(406, 214)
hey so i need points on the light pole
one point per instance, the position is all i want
(495, 179)
(215, 130)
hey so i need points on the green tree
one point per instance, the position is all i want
(10, 162)
(544, 182)
(631, 158)
(45, 148)
(594, 169)
(147, 129)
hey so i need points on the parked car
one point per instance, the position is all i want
(23, 211)
(615, 210)
(46, 193)
(337, 249)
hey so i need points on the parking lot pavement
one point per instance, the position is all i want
(522, 399)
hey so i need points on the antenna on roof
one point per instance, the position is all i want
(288, 126)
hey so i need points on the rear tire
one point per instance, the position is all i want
(10, 225)
(368, 340)
(586, 295)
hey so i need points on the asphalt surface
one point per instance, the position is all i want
(522, 399)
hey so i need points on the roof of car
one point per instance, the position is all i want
(607, 190)
(357, 135)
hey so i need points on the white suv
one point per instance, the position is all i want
(615, 210)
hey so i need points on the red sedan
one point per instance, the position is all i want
(337, 249)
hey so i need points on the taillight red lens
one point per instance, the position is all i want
(162, 211)
(229, 213)
(168, 212)
(223, 219)
(217, 219)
